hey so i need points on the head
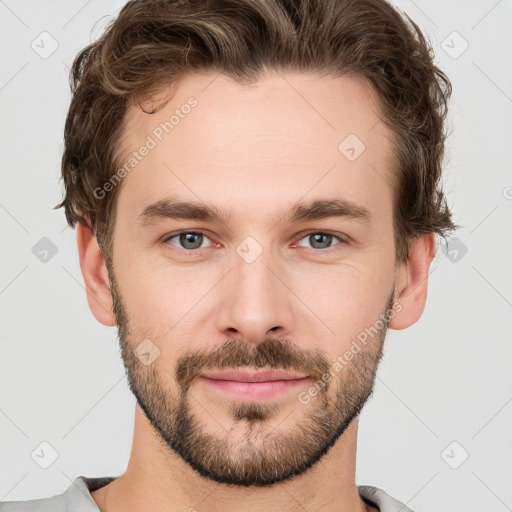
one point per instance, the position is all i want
(256, 184)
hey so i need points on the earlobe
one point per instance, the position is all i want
(94, 271)
(411, 282)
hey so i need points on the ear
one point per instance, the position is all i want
(94, 271)
(411, 282)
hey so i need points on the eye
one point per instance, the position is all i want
(188, 240)
(321, 240)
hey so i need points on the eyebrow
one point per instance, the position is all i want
(171, 208)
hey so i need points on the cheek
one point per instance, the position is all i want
(148, 280)
(167, 305)
(345, 300)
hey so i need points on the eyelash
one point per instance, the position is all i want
(193, 252)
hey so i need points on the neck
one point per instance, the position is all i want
(157, 479)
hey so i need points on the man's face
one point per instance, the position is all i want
(256, 289)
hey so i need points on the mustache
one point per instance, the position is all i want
(272, 354)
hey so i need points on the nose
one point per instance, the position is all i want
(256, 301)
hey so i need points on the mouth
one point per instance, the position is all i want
(253, 376)
(253, 385)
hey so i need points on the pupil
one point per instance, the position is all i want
(187, 240)
(326, 241)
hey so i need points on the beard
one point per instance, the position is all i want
(263, 456)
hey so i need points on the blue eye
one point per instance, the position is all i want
(189, 240)
(321, 240)
(192, 241)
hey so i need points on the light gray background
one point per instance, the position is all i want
(446, 379)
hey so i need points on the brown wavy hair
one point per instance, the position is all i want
(152, 44)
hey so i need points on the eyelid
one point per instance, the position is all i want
(343, 239)
(195, 231)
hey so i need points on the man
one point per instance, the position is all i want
(256, 190)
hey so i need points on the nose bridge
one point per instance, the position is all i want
(255, 300)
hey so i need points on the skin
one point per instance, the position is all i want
(252, 151)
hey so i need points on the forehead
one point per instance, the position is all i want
(284, 137)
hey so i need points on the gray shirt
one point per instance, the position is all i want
(77, 498)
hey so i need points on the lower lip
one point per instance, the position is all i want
(254, 391)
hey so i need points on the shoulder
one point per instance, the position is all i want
(54, 503)
(76, 498)
(381, 499)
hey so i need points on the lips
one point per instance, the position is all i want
(252, 376)
(253, 386)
